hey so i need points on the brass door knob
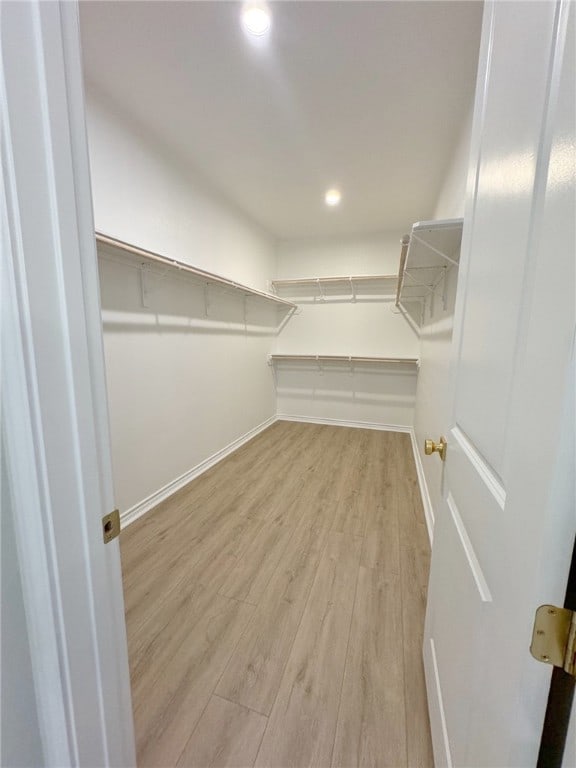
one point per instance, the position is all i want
(431, 447)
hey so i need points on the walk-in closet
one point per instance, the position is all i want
(278, 221)
(280, 342)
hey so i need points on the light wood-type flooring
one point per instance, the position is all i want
(275, 607)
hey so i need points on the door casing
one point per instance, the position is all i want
(54, 409)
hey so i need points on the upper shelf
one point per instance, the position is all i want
(430, 249)
(349, 286)
(207, 278)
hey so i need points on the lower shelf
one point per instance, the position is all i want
(344, 359)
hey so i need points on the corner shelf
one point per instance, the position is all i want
(351, 287)
(202, 276)
(431, 249)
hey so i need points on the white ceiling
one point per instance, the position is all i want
(366, 96)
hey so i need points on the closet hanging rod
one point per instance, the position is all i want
(201, 274)
(332, 279)
(346, 359)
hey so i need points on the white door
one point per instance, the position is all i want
(504, 534)
(54, 424)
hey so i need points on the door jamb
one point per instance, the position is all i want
(54, 408)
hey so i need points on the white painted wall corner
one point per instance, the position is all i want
(426, 500)
(151, 501)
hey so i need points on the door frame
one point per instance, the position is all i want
(54, 409)
(84, 718)
(560, 697)
(559, 717)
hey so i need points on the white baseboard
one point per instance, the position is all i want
(438, 727)
(139, 509)
(426, 501)
(343, 423)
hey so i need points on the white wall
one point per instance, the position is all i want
(144, 195)
(377, 394)
(181, 386)
(450, 202)
(20, 743)
(431, 418)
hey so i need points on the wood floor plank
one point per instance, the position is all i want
(178, 584)
(256, 667)
(381, 549)
(227, 736)
(301, 727)
(172, 520)
(171, 693)
(371, 728)
(381, 542)
(222, 527)
(419, 745)
(250, 576)
(272, 498)
(352, 505)
(319, 494)
(281, 508)
(280, 499)
(315, 524)
(204, 556)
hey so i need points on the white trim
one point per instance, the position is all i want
(481, 466)
(343, 423)
(440, 741)
(21, 440)
(140, 508)
(424, 492)
(55, 423)
(471, 557)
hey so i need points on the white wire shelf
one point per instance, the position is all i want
(331, 279)
(343, 359)
(201, 275)
(334, 286)
(431, 249)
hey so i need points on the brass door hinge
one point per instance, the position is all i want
(554, 637)
(111, 526)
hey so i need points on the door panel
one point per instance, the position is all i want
(510, 137)
(500, 547)
(456, 621)
(480, 500)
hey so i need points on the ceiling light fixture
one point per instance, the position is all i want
(256, 19)
(332, 197)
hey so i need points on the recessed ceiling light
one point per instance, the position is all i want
(332, 197)
(256, 19)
